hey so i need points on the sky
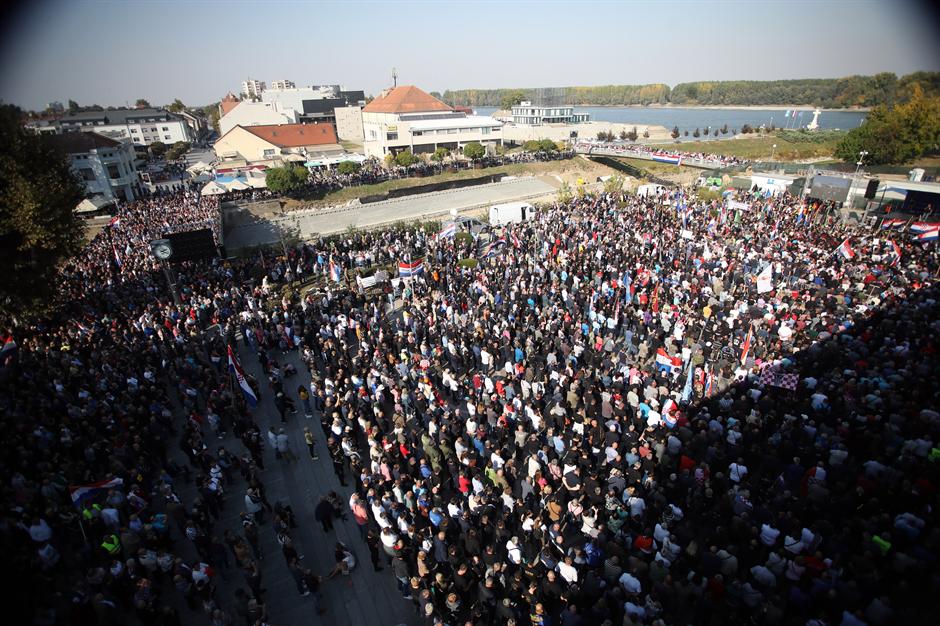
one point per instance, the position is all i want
(111, 52)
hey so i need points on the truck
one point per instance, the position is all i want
(511, 213)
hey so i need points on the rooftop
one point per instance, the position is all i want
(470, 121)
(77, 143)
(405, 99)
(295, 135)
(116, 116)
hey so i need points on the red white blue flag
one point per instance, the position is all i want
(236, 370)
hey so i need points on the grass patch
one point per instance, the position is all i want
(651, 167)
(791, 145)
(342, 196)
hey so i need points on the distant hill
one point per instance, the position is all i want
(850, 91)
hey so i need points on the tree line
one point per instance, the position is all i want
(850, 91)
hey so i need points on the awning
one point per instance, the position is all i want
(295, 158)
(213, 189)
(199, 166)
(257, 180)
(95, 203)
(236, 185)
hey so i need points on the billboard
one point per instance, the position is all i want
(834, 188)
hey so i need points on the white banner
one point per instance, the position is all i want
(736, 205)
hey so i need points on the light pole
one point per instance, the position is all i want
(773, 151)
(858, 167)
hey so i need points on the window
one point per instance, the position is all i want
(166, 136)
(154, 129)
(268, 154)
(133, 130)
(486, 130)
(87, 173)
(166, 128)
(372, 135)
(451, 131)
(114, 172)
(417, 133)
(391, 136)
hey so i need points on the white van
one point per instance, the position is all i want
(511, 213)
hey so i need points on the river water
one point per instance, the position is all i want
(690, 119)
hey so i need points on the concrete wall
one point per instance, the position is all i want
(349, 123)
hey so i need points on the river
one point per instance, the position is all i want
(690, 119)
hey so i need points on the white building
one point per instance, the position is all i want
(282, 84)
(252, 88)
(141, 126)
(104, 165)
(528, 114)
(349, 123)
(407, 118)
(260, 147)
(314, 104)
(249, 113)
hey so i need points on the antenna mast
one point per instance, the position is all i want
(394, 78)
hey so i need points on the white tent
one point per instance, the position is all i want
(256, 180)
(213, 189)
(237, 185)
(199, 166)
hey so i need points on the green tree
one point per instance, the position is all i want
(474, 150)
(38, 226)
(158, 149)
(389, 160)
(73, 107)
(686, 133)
(632, 135)
(348, 167)
(895, 135)
(565, 194)
(696, 133)
(177, 150)
(646, 134)
(547, 145)
(614, 184)
(511, 98)
(675, 132)
(405, 158)
(724, 129)
(746, 129)
(142, 104)
(440, 154)
(623, 135)
(286, 179)
(177, 106)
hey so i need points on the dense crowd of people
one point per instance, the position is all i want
(642, 151)
(327, 179)
(624, 413)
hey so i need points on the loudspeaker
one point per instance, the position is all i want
(872, 188)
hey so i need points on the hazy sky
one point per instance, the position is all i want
(111, 51)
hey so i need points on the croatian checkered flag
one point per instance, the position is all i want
(775, 378)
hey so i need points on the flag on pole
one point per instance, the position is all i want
(666, 363)
(80, 493)
(747, 345)
(709, 383)
(117, 257)
(410, 269)
(336, 272)
(897, 253)
(846, 250)
(235, 368)
(115, 222)
(449, 231)
(765, 279)
(929, 235)
(655, 304)
(923, 227)
(892, 223)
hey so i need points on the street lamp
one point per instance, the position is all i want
(858, 167)
(773, 150)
